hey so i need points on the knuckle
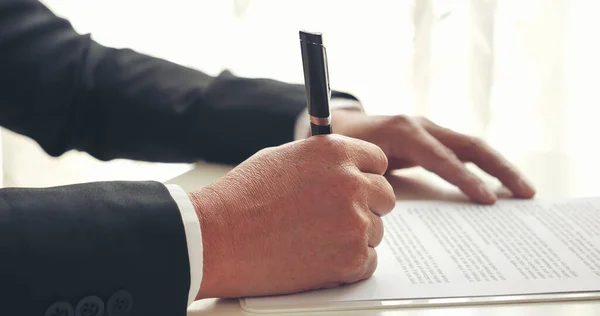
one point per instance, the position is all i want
(405, 123)
(371, 271)
(336, 142)
(347, 194)
(354, 183)
(337, 146)
(474, 143)
(385, 193)
(381, 158)
(402, 120)
(392, 204)
(357, 229)
(447, 166)
(391, 199)
(442, 154)
(389, 192)
(378, 222)
(371, 267)
(379, 231)
(355, 263)
(423, 119)
(505, 168)
(361, 228)
(357, 225)
(360, 259)
(374, 156)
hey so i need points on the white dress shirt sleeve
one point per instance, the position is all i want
(193, 236)
(302, 128)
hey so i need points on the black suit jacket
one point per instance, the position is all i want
(115, 248)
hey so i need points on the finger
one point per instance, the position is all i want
(489, 160)
(382, 199)
(367, 270)
(367, 157)
(435, 157)
(330, 285)
(371, 264)
(399, 163)
(375, 232)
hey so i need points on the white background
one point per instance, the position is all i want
(520, 73)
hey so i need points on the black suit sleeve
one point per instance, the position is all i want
(68, 92)
(120, 242)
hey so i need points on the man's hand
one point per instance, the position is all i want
(409, 142)
(302, 216)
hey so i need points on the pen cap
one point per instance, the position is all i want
(316, 76)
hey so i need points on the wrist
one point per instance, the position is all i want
(210, 211)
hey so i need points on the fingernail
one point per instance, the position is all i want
(486, 194)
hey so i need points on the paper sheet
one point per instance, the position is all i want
(444, 250)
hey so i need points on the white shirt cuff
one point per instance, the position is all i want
(193, 237)
(302, 128)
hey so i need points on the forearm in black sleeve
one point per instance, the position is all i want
(68, 92)
(66, 244)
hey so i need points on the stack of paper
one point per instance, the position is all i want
(435, 251)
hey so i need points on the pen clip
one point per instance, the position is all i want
(326, 65)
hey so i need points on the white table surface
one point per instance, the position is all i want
(554, 175)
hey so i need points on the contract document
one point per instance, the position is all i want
(443, 250)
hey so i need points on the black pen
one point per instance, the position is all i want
(316, 81)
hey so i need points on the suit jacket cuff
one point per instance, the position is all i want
(193, 236)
